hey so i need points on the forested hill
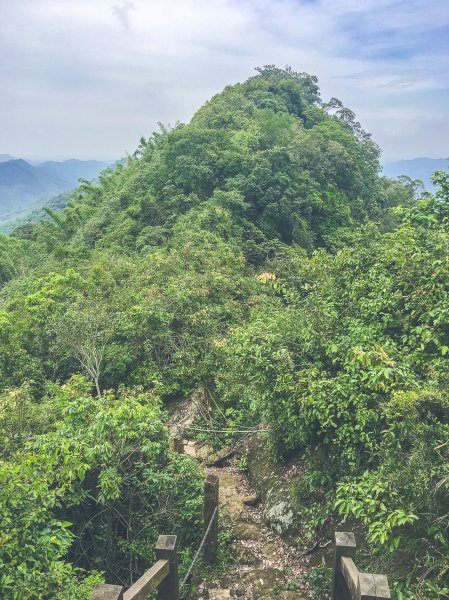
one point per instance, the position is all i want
(253, 252)
(24, 187)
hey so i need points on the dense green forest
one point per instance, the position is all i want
(256, 252)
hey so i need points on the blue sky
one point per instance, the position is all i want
(88, 78)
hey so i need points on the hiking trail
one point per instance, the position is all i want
(263, 566)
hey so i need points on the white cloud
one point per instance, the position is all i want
(121, 11)
(89, 78)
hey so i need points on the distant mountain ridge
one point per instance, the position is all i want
(23, 185)
(416, 168)
(6, 157)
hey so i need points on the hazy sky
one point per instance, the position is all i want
(88, 78)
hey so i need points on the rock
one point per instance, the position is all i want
(251, 500)
(244, 555)
(218, 459)
(278, 512)
(283, 596)
(196, 450)
(190, 448)
(229, 498)
(238, 590)
(219, 594)
(202, 451)
(263, 582)
(272, 481)
(270, 550)
(247, 531)
(247, 517)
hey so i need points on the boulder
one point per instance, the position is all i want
(272, 482)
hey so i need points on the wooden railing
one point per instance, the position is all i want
(163, 575)
(347, 582)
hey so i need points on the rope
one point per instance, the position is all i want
(224, 430)
(184, 581)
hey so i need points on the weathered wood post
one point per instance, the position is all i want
(108, 592)
(178, 444)
(211, 487)
(373, 587)
(167, 548)
(344, 546)
(347, 582)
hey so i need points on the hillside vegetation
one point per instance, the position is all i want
(255, 252)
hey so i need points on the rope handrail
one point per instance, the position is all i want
(192, 564)
(225, 430)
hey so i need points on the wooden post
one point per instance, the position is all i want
(344, 546)
(210, 506)
(178, 445)
(167, 548)
(108, 592)
(373, 587)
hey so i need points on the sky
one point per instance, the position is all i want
(89, 78)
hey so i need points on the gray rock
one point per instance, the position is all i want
(272, 483)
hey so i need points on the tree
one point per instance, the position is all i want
(92, 494)
(83, 333)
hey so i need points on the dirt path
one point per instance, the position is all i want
(263, 565)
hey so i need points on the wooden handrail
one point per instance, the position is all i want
(348, 583)
(350, 573)
(162, 576)
(148, 582)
